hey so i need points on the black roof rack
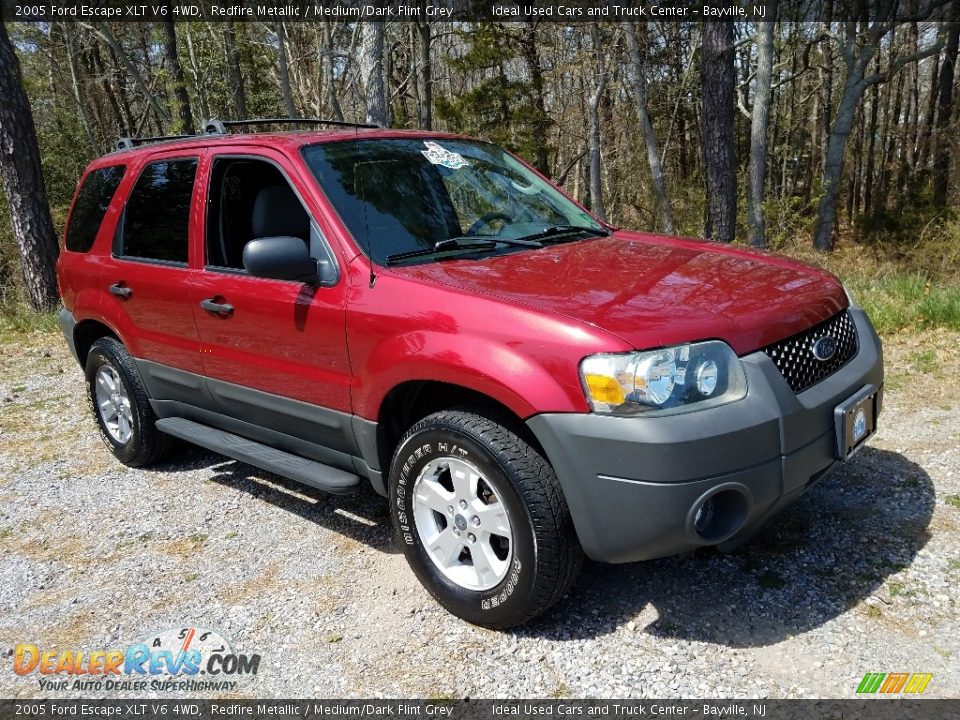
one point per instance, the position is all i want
(128, 143)
(222, 127)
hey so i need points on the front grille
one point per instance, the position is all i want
(794, 356)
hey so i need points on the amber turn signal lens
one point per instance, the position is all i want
(604, 389)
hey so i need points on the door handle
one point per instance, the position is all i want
(221, 309)
(120, 290)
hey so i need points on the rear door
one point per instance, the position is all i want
(150, 273)
(274, 351)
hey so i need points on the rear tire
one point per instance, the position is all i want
(121, 406)
(481, 519)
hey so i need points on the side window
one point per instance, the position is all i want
(249, 199)
(156, 219)
(91, 205)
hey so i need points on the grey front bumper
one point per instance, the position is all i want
(632, 484)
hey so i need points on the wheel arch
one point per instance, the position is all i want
(86, 332)
(410, 401)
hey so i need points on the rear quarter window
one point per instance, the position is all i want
(91, 205)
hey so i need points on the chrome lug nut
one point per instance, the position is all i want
(472, 538)
(463, 504)
(475, 521)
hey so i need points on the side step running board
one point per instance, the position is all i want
(308, 472)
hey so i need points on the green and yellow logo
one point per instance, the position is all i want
(892, 683)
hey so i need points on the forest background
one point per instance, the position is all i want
(834, 141)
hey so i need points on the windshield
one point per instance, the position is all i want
(404, 196)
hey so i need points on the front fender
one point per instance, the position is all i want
(508, 375)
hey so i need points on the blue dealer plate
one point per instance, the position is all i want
(856, 421)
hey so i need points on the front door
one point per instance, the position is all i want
(274, 351)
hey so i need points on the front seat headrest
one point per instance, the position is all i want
(277, 211)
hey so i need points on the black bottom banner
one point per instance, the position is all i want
(147, 709)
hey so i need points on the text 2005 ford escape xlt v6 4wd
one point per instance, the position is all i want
(426, 313)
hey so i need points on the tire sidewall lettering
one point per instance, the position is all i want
(411, 460)
(101, 359)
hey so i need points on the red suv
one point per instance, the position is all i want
(427, 314)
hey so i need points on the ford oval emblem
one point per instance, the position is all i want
(825, 348)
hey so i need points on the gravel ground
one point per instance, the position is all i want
(859, 576)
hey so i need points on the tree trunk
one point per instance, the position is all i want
(639, 86)
(853, 185)
(833, 159)
(284, 71)
(889, 134)
(425, 107)
(23, 184)
(926, 135)
(78, 90)
(717, 79)
(112, 85)
(826, 96)
(372, 73)
(857, 53)
(787, 183)
(758, 130)
(868, 173)
(329, 79)
(176, 69)
(941, 162)
(593, 122)
(199, 76)
(538, 130)
(233, 71)
(103, 31)
(913, 126)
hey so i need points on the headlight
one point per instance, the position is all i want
(674, 379)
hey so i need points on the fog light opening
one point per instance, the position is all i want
(718, 516)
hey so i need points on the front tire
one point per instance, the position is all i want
(481, 519)
(121, 406)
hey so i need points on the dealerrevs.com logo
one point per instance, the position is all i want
(172, 659)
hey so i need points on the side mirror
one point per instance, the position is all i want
(280, 258)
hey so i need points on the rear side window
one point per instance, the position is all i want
(91, 205)
(156, 219)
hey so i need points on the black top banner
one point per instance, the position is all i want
(556, 11)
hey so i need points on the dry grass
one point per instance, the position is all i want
(903, 285)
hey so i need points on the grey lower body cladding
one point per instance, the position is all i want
(635, 485)
(305, 436)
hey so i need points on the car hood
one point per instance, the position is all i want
(653, 291)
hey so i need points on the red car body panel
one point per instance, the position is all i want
(404, 329)
(156, 321)
(655, 291)
(284, 338)
(513, 327)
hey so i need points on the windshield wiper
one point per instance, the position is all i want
(465, 242)
(554, 231)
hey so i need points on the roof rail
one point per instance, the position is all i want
(222, 127)
(128, 143)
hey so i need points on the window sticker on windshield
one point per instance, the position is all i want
(441, 156)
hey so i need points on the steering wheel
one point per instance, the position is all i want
(486, 220)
